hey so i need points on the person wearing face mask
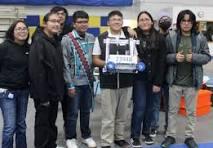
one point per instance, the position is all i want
(164, 25)
(47, 81)
(14, 84)
(147, 84)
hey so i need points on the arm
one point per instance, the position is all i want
(96, 58)
(203, 57)
(97, 61)
(170, 55)
(129, 32)
(37, 72)
(69, 65)
(2, 53)
(161, 62)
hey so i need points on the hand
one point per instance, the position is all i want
(71, 92)
(189, 56)
(45, 104)
(131, 32)
(180, 56)
(156, 88)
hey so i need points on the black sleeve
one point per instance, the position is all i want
(3, 52)
(161, 62)
(37, 72)
(125, 30)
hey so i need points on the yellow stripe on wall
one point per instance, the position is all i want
(94, 21)
(103, 29)
(41, 20)
(31, 30)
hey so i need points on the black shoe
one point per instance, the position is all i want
(148, 140)
(153, 133)
(106, 147)
(135, 142)
(168, 142)
(190, 142)
(121, 143)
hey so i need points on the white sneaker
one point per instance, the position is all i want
(89, 142)
(71, 143)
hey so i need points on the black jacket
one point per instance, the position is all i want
(13, 65)
(46, 68)
(66, 30)
(111, 80)
(152, 51)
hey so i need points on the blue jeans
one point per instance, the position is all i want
(146, 105)
(13, 104)
(82, 101)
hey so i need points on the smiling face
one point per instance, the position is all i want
(81, 25)
(115, 23)
(144, 22)
(20, 32)
(52, 26)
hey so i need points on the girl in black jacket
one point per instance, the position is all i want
(14, 79)
(147, 84)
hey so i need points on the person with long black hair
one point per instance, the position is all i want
(187, 51)
(147, 84)
(14, 84)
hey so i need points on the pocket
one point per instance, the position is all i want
(6, 95)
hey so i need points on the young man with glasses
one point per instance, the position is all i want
(47, 81)
(187, 52)
(77, 50)
(64, 26)
(116, 90)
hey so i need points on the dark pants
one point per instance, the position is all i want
(165, 96)
(14, 109)
(45, 128)
(82, 101)
(64, 105)
(146, 105)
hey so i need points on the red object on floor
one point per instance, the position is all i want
(203, 103)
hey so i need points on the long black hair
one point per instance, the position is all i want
(10, 32)
(192, 18)
(150, 16)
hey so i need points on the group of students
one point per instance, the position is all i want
(58, 67)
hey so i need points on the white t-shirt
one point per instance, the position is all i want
(97, 49)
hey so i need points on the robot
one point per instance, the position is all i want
(121, 56)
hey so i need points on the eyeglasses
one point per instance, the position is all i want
(115, 19)
(145, 20)
(54, 21)
(81, 22)
(21, 29)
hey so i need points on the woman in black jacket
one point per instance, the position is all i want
(147, 84)
(14, 80)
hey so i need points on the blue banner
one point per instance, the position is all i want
(70, 2)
